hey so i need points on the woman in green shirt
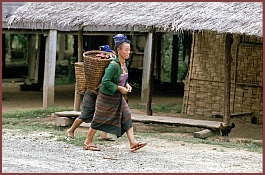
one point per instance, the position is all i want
(112, 114)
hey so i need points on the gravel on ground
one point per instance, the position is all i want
(41, 153)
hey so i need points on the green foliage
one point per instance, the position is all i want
(163, 108)
(65, 74)
(182, 65)
(166, 108)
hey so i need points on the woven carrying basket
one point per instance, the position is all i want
(80, 78)
(94, 66)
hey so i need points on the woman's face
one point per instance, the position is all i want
(124, 50)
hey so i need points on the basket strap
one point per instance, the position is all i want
(114, 74)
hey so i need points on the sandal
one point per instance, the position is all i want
(138, 146)
(69, 138)
(91, 148)
(107, 139)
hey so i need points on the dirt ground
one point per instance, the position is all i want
(13, 98)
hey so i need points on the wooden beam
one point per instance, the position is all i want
(3, 55)
(110, 42)
(78, 96)
(61, 47)
(174, 60)
(158, 58)
(227, 73)
(24, 31)
(162, 53)
(146, 67)
(205, 133)
(36, 73)
(49, 69)
(75, 46)
(41, 52)
(151, 73)
(66, 41)
(31, 58)
(185, 104)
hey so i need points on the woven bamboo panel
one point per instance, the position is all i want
(204, 91)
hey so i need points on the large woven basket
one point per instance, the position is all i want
(94, 66)
(80, 78)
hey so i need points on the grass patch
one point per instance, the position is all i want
(163, 108)
(32, 113)
(28, 117)
(252, 146)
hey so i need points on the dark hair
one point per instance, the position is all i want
(119, 46)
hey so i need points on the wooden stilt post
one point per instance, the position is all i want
(162, 54)
(41, 52)
(49, 69)
(61, 47)
(148, 64)
(36, 73)
(78, 96)
(175, 62)
(66, 42)
(188, 79)
(3, 55)
(146, 67)
(31, 58)
(158, 58)
(227, 69)
(150, 79)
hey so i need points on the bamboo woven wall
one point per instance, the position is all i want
(204, 86)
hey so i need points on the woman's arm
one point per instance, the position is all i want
(110, 71)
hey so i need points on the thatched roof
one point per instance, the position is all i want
(8, 8)
(223, 17)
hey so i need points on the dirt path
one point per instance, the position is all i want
(39, 152)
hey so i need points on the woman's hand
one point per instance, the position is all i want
(128, 87)
(122, 89)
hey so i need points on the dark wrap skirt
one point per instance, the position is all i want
(112, 114)
(88, 107)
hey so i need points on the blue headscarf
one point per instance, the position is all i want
(119, 39)
(105, 48)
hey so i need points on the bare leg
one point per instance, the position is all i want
(71, 130)
(130, 136)
(134, 145)
(104, 136)
(89, 145)
(77, 123)
(90, 135)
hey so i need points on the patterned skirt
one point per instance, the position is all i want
(112, 114)
(88, 107)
